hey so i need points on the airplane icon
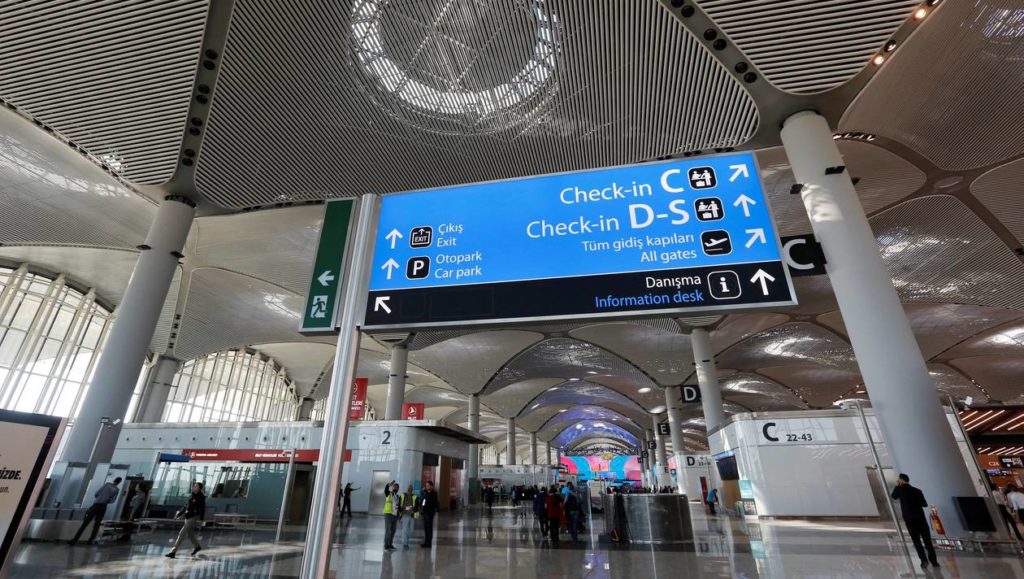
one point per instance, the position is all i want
(716, 242)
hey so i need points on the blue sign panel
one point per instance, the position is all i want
(644, 239)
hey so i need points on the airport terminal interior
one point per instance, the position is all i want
(615, 288)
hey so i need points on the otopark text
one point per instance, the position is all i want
(683, 224)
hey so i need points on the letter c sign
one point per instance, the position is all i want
(768, 436)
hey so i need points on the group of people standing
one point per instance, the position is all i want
(1011, 505)
(405, 508)
(555, 507)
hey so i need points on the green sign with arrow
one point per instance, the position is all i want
(328, 268)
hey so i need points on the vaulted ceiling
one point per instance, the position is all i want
(259, 112)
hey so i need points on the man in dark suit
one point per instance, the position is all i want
(913, 503)
(428, 508)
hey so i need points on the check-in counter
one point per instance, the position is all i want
(654, 518)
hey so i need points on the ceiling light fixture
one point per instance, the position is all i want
(878, 60)
(920, 14)
(890, 46)
(644, 390)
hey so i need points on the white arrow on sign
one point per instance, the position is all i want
(756, 235)
(325, 278)
(739, 170)
(393, 237)
(390, 265)
(381, 303)
(762, 277)
(746, 202)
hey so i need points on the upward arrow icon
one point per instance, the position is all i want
(746, 202)
(390, 266)
(393, 237)
(762, 277)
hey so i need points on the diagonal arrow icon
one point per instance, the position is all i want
(756, 235)
(739, 170)
(746, 202)
(393, 237)
(390, 266)
(381, 303)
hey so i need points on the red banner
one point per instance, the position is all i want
(413, 410)
(357, 407)
(255, 455)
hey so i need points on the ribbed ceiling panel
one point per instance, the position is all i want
(1001, 190)
(952, 91)
(114, 77)
(951, 256)
(809, 46)
(372, 96)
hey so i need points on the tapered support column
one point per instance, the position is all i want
(652, 467)
(305, 410)
(474, 426)
(157, 390)
(533, 448)
(673, 402)
(661, 476)
(707, 378)
(396, 382)
(896, 378)
(510, 442)
(117, 370)
(547, 447)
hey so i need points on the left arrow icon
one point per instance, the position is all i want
(393, 237)
(381, 303)
(325, 278)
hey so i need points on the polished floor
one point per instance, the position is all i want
(505, 544)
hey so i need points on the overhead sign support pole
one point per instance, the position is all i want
(319, 537)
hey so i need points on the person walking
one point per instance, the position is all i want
(553, 509)
(912, 504)
(539, 511)
(346, 495)
(711, 499)
(1015, 501)
(428, 509)
(572, 515)
(391, 507)
(1004, 510)
(407, 513)
(489, 497)
(194, 513)
(103, 497)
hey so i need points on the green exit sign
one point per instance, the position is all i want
(328, 268)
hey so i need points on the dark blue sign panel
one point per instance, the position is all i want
(658, 238)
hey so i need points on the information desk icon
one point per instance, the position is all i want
(421, 237)
(724, 285)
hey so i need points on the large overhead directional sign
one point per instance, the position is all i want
(658, 238)
(328, 268)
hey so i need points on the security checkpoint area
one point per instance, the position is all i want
(541, 288)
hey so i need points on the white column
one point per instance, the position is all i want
(125, 351)
(510, 442)
(157, 390)
(652, 467)
(547, 445)
(661, 454)
(305, 410)
(396, 382)
(474, 426)
(533, 448)
(673, 402)
(895, 375)
(707, 378)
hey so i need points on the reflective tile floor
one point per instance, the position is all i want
(506, 545)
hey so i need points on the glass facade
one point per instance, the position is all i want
(233, 385)
(50, 334)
